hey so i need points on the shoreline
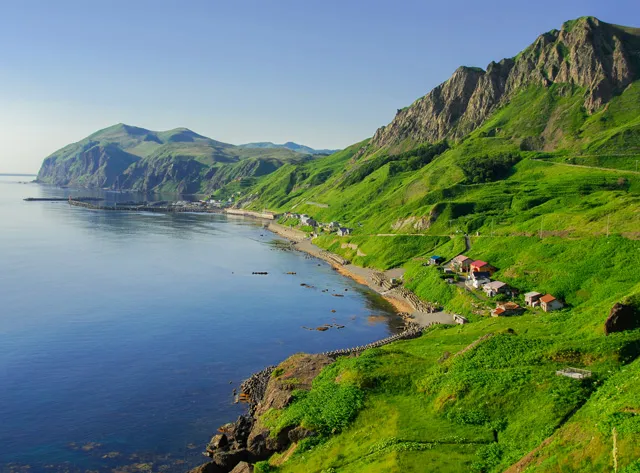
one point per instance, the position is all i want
(405, 307)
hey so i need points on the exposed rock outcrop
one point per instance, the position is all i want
(588, 53)
(621, 318)
(247, 440)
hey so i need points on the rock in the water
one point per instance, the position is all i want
(622, 317)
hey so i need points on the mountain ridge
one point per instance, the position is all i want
(600, 57)
(289, 145)
(129, 157)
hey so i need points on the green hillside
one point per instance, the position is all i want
(545, 182)
(178, 160)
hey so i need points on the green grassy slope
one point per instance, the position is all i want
(548, 194)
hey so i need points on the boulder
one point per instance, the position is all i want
(228, 460)
(622, 317)
(296, 372)
(210, 467)
(243, 467)
(299, 433)
(218, 441)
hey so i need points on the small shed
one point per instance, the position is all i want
(342, 231)
(459, 319)
(550, 303)
(435, 260)
(461, 263)
(494, 288)
(532, 299)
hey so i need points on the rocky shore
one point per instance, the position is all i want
(238, 445)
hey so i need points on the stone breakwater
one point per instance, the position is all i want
(143, 208)
(255, 386)
(418, 304)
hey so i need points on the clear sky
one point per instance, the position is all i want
(323, 73)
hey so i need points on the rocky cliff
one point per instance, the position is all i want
(600, 58)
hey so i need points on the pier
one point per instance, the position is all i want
(144, 207)
(62, 199)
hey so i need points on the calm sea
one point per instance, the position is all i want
(122, 335)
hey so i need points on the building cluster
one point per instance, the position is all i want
(479, 274)
(330, 227)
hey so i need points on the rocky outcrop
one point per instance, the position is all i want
(295, 373)
(247, 440)
(621, 318)
(599, 57)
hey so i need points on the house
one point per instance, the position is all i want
(506, 309)
(435, 260)
(549, 303)
(461, 263)
(304, 219)
(311, 222)
(494, 288)
(334, 225)
(481, 266)
(342, 231)
(459, 319)
(532, 299)
(477, 279)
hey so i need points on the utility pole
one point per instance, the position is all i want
(608, 216)
(541, 218)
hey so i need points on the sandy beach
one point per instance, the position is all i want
(364, 276)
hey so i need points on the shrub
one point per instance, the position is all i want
(479, 169)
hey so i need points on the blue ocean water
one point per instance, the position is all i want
(122, 335)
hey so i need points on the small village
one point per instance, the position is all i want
(477, 276)
(307, 221)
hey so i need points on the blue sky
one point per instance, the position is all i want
(322, 73)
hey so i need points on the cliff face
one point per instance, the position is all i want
(96, 165)
(601, 58)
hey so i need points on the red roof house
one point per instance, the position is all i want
(480, 266)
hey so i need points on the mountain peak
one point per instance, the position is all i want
(586, 53)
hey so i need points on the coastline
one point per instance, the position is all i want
(403, 305)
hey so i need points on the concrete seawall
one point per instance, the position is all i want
(251, 213)
(289, 233)
(143, 208)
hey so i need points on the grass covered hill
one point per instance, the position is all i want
(536, 161)
(288, 145)
(128, 157)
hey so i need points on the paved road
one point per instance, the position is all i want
(587, 167)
